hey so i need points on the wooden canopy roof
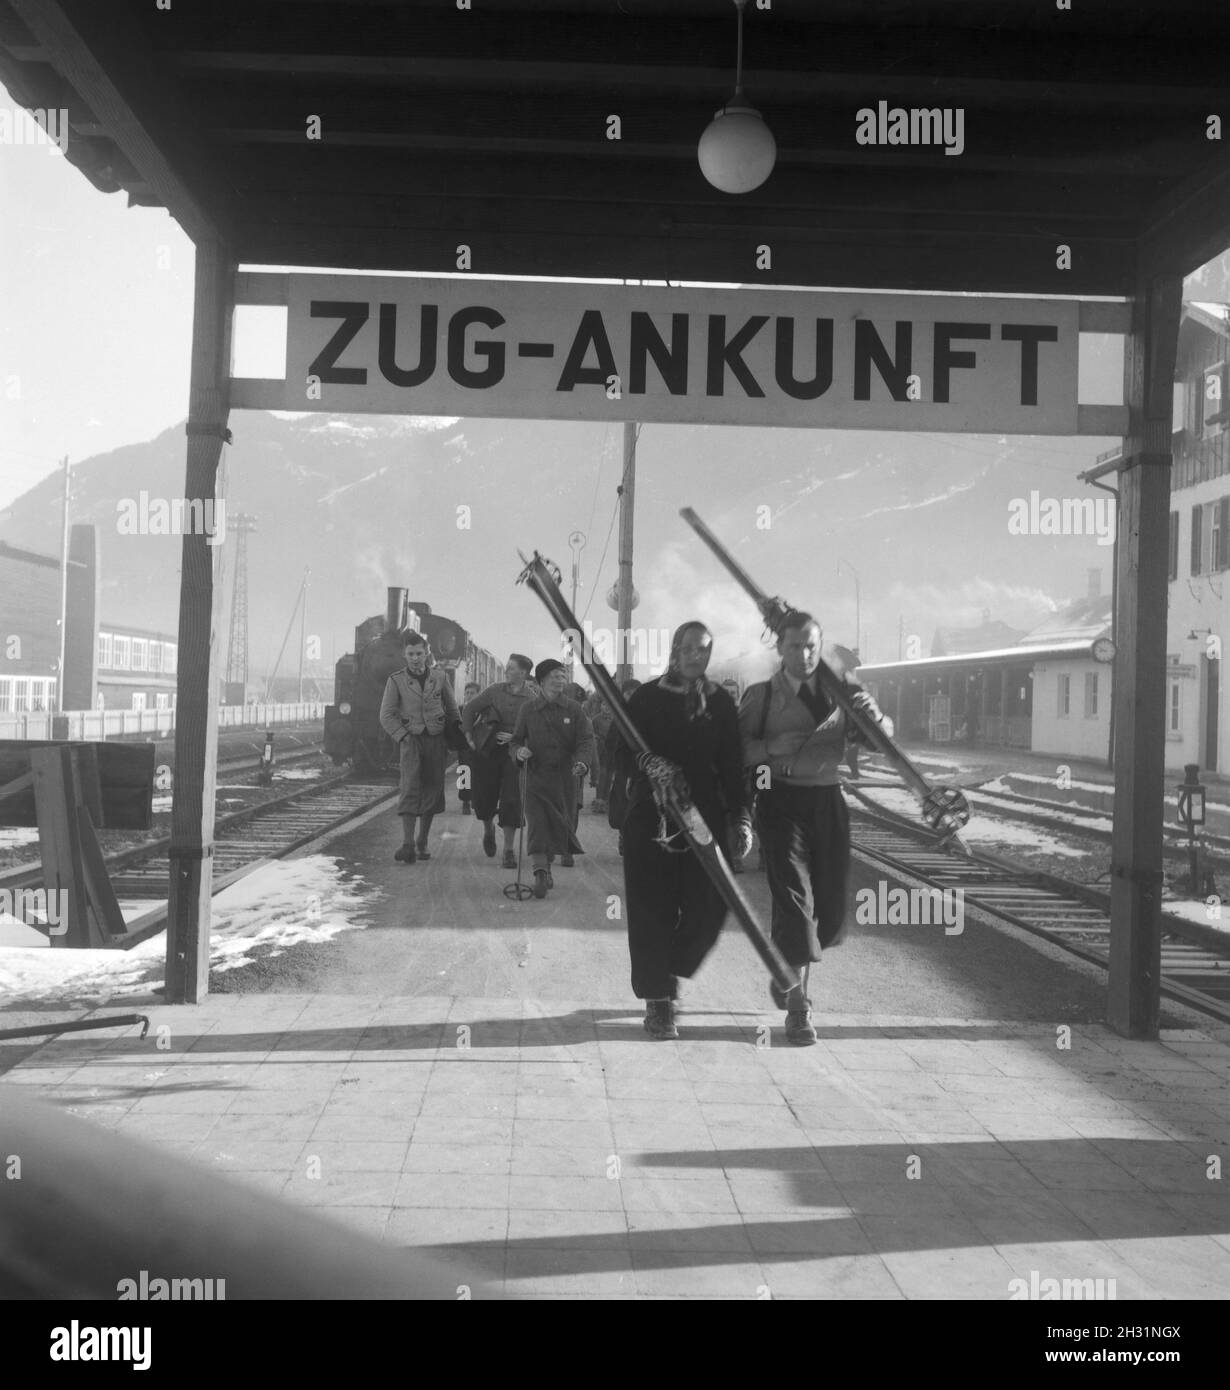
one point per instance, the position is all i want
(488, 126)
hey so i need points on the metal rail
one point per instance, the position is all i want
(1072, 916)
(243, 842)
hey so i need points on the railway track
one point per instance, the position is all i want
(243, 841)
(1195, 967)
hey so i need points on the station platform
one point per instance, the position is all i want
(466, 1075)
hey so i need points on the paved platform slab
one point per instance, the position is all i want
(468, 1075)
(548, 1148)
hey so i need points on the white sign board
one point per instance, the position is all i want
(560, 351)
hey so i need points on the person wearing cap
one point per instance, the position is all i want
(554, 740)
(488, 722)
(675, 913)
(794, 740)
(419, 712)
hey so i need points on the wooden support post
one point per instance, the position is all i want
(200, 621)
(1134, 1000)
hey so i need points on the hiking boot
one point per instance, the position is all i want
(405, 855)
(489, 842)
(660, 1019)
(510, 859)
(565, 861)
(799, 1030)
(542, 881)
(421, 847)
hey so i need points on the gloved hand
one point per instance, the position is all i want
(739, 839)
(523, 754)
(579, 769)
(503, 738)
(660, 771)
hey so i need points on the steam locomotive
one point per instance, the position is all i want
(352, 722)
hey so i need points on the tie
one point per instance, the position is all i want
(817, 705)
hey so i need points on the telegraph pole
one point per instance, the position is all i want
(627, 495)
(303, 631)
(63, 595)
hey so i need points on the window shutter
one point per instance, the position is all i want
(1195, 540)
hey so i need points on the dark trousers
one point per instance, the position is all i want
(493, 778)
(674, 912)
(805, 835)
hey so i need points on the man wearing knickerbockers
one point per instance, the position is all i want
(489, 721)
(419, 712)
(554, 740)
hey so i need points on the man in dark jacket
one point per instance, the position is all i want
(554, 738)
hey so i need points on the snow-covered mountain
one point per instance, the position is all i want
(442, 506)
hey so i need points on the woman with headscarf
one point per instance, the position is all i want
(674, 911)
(553, 737)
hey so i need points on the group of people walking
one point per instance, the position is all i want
(771, 761)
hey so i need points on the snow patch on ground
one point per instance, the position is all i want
(298, 774)
(286, 903)
(18, 837)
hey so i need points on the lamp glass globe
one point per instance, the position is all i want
(737, 151)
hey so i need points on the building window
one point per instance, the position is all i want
(123, 653)
(6, 695)
(155, 656)
(1091, 694)
(169, 654)
(105, 654)
(1175, 708)
(1065, 696)
(162, 700)
(140, 653)
(1210, 549)
(21, 695)
(138, 699)
(1174, 545)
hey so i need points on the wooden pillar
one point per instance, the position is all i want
(200, 620)
(1140, 668)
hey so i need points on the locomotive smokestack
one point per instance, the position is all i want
(393, 609)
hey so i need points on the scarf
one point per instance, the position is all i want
(696, 693)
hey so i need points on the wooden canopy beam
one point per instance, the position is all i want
(100, 52)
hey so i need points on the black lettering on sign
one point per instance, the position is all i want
(591, 332)
(728, 354)
(645, 341)
(894, 371)
(1029, 335)
(493, 351)
(945, 358)
(353, 316)
(429, 322)
(784, 363)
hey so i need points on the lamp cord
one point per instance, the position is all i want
(739, 4)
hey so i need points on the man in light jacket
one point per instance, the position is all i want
(794, 738)
(419, 712)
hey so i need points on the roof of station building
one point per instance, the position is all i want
(1086, 127)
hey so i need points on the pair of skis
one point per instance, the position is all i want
(944, 808)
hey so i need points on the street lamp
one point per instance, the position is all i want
(858, 607)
